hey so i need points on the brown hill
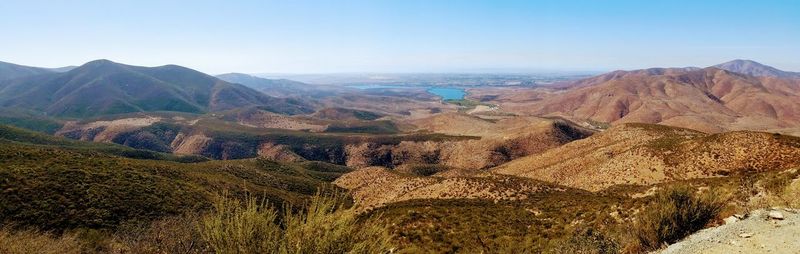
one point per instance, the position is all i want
(346, 114)
(374, 187)
(499, 141)
(645, 154)
(710, 99)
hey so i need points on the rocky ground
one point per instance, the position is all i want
(762, 231)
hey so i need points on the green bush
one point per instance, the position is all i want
(675, 214)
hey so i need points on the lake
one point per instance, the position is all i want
(447, 93)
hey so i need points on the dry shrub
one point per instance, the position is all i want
(176, 235)
(783, 189)
(32, 241)
(588, 241)
(324, 227)
(675, 214)
(233, 227)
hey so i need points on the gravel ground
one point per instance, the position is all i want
(758, 233)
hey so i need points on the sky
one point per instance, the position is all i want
(263, 36)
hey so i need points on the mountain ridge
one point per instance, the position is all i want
(708, 99)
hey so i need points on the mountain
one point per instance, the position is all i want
(104, 87)
(709, 99)
(753, 68)
(11, 71)
(62, 69)
(277, 87)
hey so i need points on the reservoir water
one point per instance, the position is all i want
(448, 93)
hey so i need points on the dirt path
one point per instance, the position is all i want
(758, 233)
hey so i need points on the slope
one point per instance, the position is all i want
(63, 187)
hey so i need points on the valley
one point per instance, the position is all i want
(446, 163)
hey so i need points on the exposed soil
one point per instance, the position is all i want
(757, 233)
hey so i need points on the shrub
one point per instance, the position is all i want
(176, 234)
(233, 227)
(674, 214)
(588, 241)
(31, 241)
(324, 227)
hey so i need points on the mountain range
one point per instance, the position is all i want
(707, 99)
(281, 87)
(104, 87)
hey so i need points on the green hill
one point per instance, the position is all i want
(57, 184)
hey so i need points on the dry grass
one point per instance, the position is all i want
(587, 241)
(32, 241)
(175, 235)
(233, 227)
(675, 214)
(324, 227)
(781, 189)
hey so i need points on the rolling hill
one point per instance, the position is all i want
(59, 184)
(103, 87)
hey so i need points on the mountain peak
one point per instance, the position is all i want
(100, 62)
(753, 68)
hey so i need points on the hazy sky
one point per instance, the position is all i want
(400, 36)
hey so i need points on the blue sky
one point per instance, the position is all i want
(401, 36)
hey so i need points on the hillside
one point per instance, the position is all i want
(374, 187)
(642, 154)
(51, 183)
(103, 87)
